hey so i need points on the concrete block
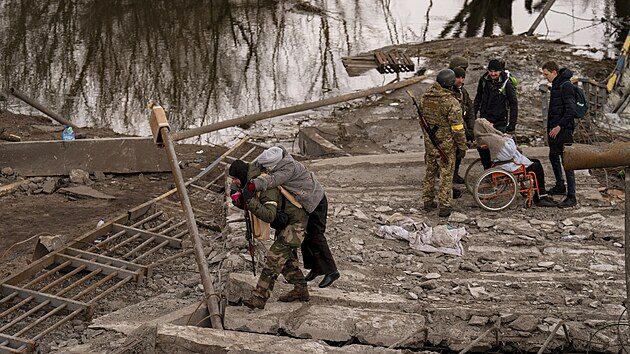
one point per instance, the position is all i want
(180, 339)
(58, 157)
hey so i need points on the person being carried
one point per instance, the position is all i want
(282, 257)
(283, 170)
(502, 147)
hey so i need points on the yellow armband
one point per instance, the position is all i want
(457, 127)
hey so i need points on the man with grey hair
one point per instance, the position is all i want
(283, 170)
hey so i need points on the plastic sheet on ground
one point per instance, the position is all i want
(422, 237)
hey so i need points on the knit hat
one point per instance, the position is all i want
(486, 134)
(458, 62)
(459, 72)
(239, 170)
(495, 65)
(270, 157)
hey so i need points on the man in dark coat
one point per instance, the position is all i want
(560, 126)
(496, 96)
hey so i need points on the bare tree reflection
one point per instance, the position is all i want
(480, 13)
(204, 60)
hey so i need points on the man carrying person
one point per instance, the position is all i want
(444, 117)
(283, 170)
(282, 257)
(560, 126)
(496, 96)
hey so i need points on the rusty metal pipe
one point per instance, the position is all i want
(293, 109)
(41, 108)
(212, 299)
(581, 156)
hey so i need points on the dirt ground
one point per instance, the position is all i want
(25, 216)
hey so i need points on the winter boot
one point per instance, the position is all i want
(255, 302)
(428, 206)
(569, 201)
(558, 190)
(445, 212)
(299, 293)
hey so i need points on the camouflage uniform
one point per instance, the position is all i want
(444, 112)
(468, 110)
(282, 257)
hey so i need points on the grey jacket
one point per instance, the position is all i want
(295, 178)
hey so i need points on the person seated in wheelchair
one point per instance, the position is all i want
(505, 154)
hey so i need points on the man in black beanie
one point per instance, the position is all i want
(496, 96)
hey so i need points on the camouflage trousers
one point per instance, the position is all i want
(282, 258)
(444, 170)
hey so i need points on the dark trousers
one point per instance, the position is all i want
(458, 162)
(486, 160)
(556, 164)
(537, 168)
(315, 250)
(556, 149)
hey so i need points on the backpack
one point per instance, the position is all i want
(581, 103)
(513, 81)
(511, 78)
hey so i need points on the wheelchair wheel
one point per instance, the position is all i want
(473, 172)
(495, 189)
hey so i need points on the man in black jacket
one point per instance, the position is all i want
(560, 126)
(496, 96)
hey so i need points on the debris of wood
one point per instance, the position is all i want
(8, 136)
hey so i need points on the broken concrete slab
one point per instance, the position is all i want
(180, 339)
(332, 323)
(58, 157)
(238, 286)
(85, 191)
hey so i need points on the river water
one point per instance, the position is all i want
(99, 63)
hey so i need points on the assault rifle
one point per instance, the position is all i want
(249, 235)
(429, 132)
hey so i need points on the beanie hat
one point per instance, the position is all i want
(458, 62)
(239, 170)
(495, 65)
(270, 157)
(459, 72)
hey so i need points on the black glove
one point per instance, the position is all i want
(511, 129)
(460, 154)
(248, 192)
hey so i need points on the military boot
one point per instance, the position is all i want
(255, 302)
(299, 293)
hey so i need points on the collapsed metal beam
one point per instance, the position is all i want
(582, 156)
(54, 115)
(162, 135)
(293, 109)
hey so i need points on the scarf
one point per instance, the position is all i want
(486, 134)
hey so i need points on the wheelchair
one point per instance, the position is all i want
(495, 189)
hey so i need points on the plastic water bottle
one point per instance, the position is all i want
(68, 133)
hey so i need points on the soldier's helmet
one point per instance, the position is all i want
(458, 62)
(446, 78)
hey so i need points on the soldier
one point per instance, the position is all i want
(459, 66)
(444, 115)
(282, 257)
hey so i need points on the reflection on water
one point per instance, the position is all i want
(99, 63)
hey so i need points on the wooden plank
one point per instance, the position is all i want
(58, 157)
